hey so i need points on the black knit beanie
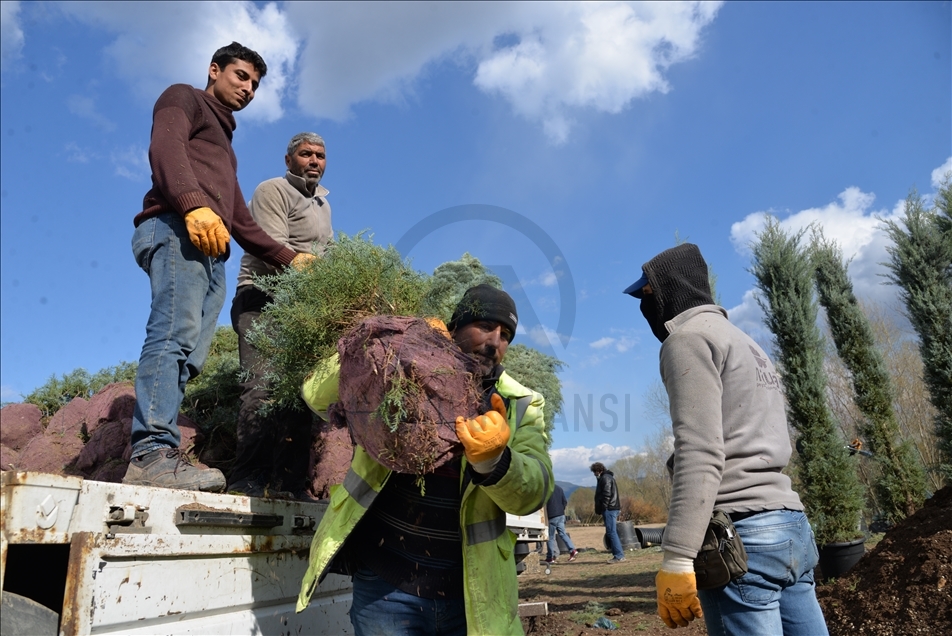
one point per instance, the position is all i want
(679, 281)
(485, 302)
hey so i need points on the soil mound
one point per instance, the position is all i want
(402, 385)
(904, 585)
(90, 439)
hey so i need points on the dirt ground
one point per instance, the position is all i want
(580, 592)
(902, 586)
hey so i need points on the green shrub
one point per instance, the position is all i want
(58, 392)
(315, 306)
(212, 399)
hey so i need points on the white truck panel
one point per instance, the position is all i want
(150, 560)
(531, 527)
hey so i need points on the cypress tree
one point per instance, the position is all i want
(921, 265)
(901, 483)
(831, 490)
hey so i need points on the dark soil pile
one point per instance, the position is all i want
(402, 385)
(904, 586)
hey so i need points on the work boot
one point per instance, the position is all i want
(171, 468)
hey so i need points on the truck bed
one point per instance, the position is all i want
(117, 559)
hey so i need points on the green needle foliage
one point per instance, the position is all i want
(58, 392)
(451, 280)
(901, 484)
(831, 490)
(921, 265)
(212, 398)
(354, 279)
(313, 307)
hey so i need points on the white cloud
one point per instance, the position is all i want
(572, 464)
(75, 154)
(621, 344)
(551, 61)
(940, 173)
(853, 223)
(85, 107)
(158, 44)
(358, 52)
(132, 163)
(541, 335)
(549, 279)
(11, 34)
(598, 56)
(857, 228)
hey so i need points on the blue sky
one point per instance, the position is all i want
(613, 128)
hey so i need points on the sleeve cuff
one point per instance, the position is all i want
(502, 467)
(677, 563)
(285, 256)
(189, 201)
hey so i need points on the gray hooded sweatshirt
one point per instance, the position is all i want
(727, 405)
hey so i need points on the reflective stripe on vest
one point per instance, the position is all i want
(488, 530)
(545, 483)
(522, 405)
(359, 490)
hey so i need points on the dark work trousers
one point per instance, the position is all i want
(277, 446)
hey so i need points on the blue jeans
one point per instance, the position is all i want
(379, 609)
(557, 524)
(188, 291)
(611, 531)
(777, 596)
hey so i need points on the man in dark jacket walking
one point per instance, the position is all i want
(555, 513)
(608, 504)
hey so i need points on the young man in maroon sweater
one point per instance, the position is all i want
(182, 242)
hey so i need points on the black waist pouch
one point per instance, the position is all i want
(722, 557)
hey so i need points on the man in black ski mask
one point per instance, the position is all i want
(731, 445)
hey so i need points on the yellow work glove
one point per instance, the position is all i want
(301, 260)
(439, 325)
(484, 437)
(678, 603)
(207, 231)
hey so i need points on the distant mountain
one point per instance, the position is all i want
(568, 487)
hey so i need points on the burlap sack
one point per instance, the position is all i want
(402, 385)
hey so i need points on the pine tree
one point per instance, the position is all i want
(831, 490)
(921, 265)
(901, 482)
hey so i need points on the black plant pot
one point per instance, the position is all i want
(836, 559)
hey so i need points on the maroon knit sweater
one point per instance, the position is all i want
(193, 166)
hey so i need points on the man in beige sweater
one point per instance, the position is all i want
(272, 453)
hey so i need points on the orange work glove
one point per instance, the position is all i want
(484, 437)
(678, 603)
(302, 260)
(207, 232)
(439, 325)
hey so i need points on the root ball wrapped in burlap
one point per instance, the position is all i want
(402, 384)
